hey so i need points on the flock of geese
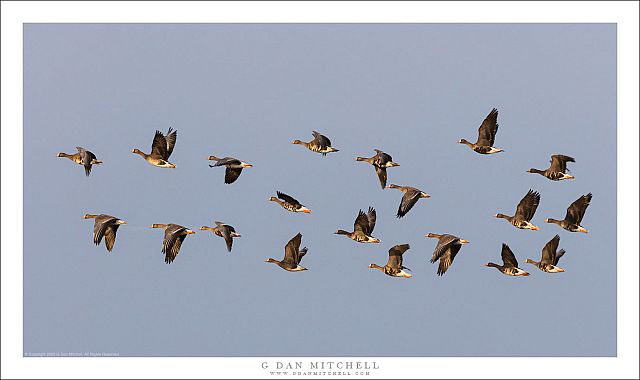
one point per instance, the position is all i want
(106, 226)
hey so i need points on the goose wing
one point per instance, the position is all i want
(559, 162)
(291, 251)
(226, 231)
(528, 205)
(575, 212)
(488, 129)
(371, 217)
(447, 258)
(171, 138)
(100, 226)
(362, 223)
(227, 161)
(444, 242)
(409, 199)
(287, 198)
(231, 174)
(382, 175)
(549, 250)
(508, 258)
(110, 236)
(174, 235)
(159, 146)
(395, 256)
(86, 157)
(321, 140)
(382, 158)
(559, 254)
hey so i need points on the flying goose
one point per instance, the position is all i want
(509, 263)
(575, 213)
(381, 161)
(292, 255)
(446, 250)
(174, 235)
(289, 203)
(410, 197)
(161, 149)
(394, 265)
(550, 257)
(234, 167)
(224, 231)
(83, 157)
(524, 212)
(319, 144)
(486, 135)
(362, 227)
(105, 226)
(557, 170)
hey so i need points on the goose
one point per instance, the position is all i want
(292, 255)
(486, 135)
(161, 149)
(362, 227)
(105, 226)
(224, 231)
(394, 267)
(234, 167)
(446, 250)
(174, 235)
(549, 261)
(509, 263)
(319, 144)
(289, 203)
(83, 157)
(556, 171)
(410, 197)
(381, 161)
(575, 213)
(524, 212)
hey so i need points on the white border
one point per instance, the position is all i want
(14, 14)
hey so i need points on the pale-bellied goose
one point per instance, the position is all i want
(524, 212)
(362, 227)
(394, 265)
(381, 161)
(225, 231)
(575, 213)
(292, 255)
(289, 203)
(550, 257)
(486, 135)
(319, 144)
(105, 226)
(234, 167)
(83, 157)
(161, 149)
(446, 250)
(174, 235)
(410, 197)
(509, 263)
(557, 170)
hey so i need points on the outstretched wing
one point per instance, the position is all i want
(395, 256)
(173, 237)
(559, 162)
(171, 142)
(444, 242)
(382, 175)
(287, 198)
(110, 236)
(528, 205)
(159, 146)
(231, 175)
(100, 226)
(86, 157)
(321, 140)
(549, 250)
(447, 258)
(559, 254)
(488, 129)
(409, 199)
(291, 251)
(508, 258)
(362, 223)
(226, 234)
(371, 217)
(575, 212)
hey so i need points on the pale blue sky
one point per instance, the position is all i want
(247, 91)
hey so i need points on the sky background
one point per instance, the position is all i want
(247, 91)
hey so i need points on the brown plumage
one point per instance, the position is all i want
(446, 250)
(509, 265)
(486, 135)
(558, 168)
(105, 226)
(575, 213)
(319, 144)
(409, 199)
(174, 235)
(289, 203)
(83, 157)
(550, 257)
(381, 161)
(362, 227)
(292, 255)
(161, 149)
(225, 231)
(234, 167)
(394, 267)
(524, 212)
